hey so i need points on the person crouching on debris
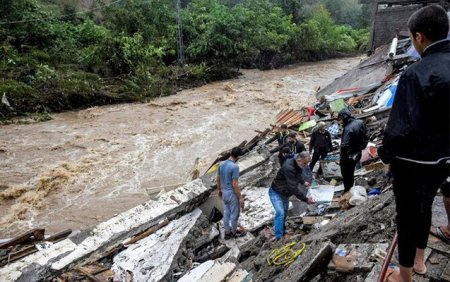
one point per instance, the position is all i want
(416, 139)
(228, 185)
(288, 182)
(353, 141)
(321, 143)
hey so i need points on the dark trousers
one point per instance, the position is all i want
(348, 171)
(317, 155)
(415, 187)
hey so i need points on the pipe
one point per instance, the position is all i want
(393, 49)
(388, 257)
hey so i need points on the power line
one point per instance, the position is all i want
(61, 16)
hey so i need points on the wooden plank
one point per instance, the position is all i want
(147, 233)
(58, 236)
(88, 275)
(36, 234)
(284, 115)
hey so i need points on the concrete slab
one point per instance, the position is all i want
(258, 210)
(209, 271)
(89, 245)
(151, 258)
(218, 272)
(240, 275)
(196, 273)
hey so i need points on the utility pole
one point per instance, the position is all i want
(180, 45)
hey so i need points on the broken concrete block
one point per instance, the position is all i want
(150, 259)
(331, 169)
(250, 161)
(258, 209)
(196, 273)
(91, 244)
(209, 271)
(235, 245)
(240, 275)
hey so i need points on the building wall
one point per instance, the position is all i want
(388, 21)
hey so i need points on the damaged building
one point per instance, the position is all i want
(175, 237)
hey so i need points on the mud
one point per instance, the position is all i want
(83, 167)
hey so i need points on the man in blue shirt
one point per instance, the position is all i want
(228, 185)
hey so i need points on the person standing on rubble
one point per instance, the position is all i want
(229, 191)
(321, 144)
(293, 144)
(416, 139)
(288, 182)
(281, 136)
(353, 141)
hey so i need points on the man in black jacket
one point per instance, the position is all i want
(293, 144)
(416, 138)
(288, 182)
(281, 136)
(321, 143)
(353, 141)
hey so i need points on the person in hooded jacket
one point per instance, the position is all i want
(353, 141)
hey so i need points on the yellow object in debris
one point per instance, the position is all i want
(213, 168)
(285, 255)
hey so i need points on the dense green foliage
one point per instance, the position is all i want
(58, 55)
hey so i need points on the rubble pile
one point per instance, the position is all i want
(177, 237)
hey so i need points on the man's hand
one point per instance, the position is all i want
(241, 202)
(387, 168)
(307, 184)
(310, 201)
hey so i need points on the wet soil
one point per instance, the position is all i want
(83, 167)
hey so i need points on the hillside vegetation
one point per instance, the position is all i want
(59, 55)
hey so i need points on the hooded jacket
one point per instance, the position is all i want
(354, 137)
(289, 180)
(418, 129)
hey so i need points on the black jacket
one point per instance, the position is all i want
(281, 137)
(354, 137)
(316, 142)
(419, 123)
(293, 148)
(289, 180)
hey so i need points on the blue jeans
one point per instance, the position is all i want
(280, 204)
(231, 211)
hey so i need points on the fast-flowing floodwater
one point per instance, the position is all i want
(84, 166)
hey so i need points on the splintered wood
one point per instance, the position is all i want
(289, 117)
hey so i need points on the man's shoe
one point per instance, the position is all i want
(239, 234)
(227, 236)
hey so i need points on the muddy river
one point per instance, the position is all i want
(84, 167)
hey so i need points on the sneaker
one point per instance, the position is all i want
(227, 236)
(239, 234)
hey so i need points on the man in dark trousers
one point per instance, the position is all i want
(416, 139)
(353, 141)
(281, 136)
(288, 182)
(321, 144)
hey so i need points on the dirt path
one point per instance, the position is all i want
(83, 167)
